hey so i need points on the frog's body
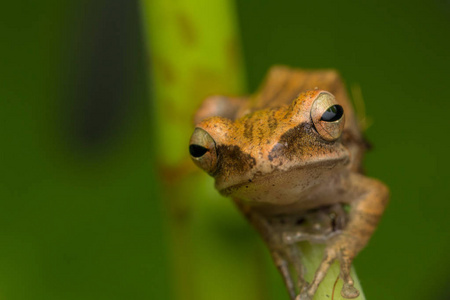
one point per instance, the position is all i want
(284, 155)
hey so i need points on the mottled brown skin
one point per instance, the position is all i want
(291, 173)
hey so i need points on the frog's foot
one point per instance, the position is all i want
(349, 291)
(309, 290)
(342, 248)
(305, 295)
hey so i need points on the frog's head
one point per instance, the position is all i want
(271, 155)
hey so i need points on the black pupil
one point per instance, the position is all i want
(197, 150)
(333, 113)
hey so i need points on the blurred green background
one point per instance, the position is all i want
(80, 215)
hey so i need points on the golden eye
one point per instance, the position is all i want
(328, 117)
(203, 150)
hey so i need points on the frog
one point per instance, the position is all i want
(290, 157)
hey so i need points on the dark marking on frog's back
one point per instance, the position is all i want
(300, 142)
(272, 122)
(248, 130)
(233, 161)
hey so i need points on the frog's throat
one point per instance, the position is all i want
(312, 173)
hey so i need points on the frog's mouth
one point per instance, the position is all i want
(283, 186)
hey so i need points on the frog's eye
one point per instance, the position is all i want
(197, 150)
(203, 150)
(327, 116)
(333, 113)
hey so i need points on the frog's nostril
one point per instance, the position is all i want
(197, 150)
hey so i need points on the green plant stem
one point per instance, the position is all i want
(194, 51)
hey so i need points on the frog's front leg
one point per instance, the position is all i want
(371, 198)
(283, 267)
(284, 255)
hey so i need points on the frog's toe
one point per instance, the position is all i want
(303, 296)
(349, 291)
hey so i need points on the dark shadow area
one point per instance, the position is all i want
(107, 70)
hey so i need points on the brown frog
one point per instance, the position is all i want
(290, 157)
